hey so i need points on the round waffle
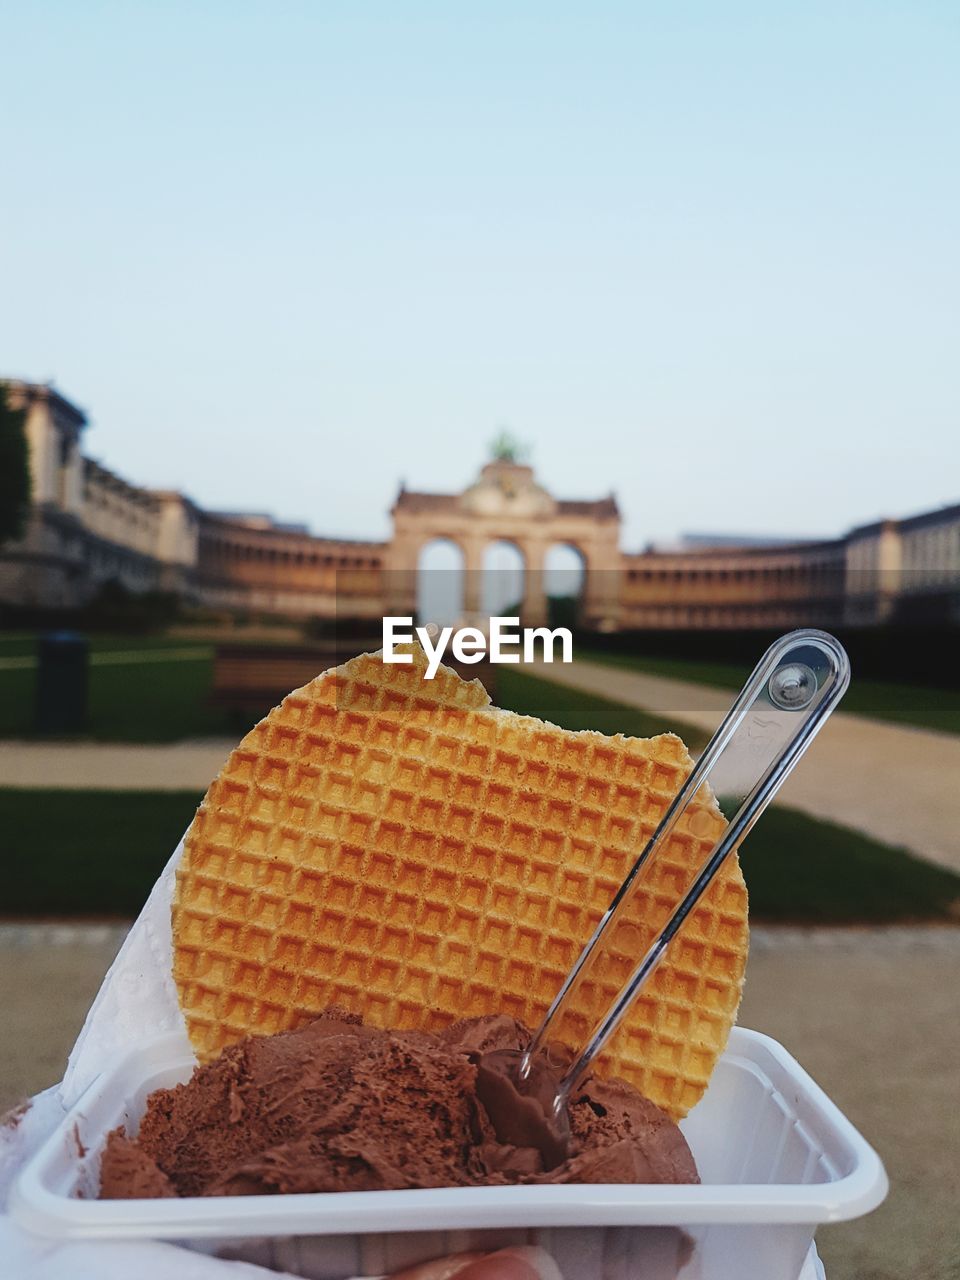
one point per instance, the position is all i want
(401, 848)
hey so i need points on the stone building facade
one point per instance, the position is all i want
(784, 586)
(87, 526)
(252, 564)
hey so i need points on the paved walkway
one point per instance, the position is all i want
(94, 766)
(869, 1012)
(875, 1025)
(893, 782)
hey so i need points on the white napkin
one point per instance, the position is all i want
(136, 1002)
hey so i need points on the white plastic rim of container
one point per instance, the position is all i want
(770, 1146)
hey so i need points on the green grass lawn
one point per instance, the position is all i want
(132, 702)
(799, 868)
(87, 853)
(926, 707)
(23, 644)
(97, 854)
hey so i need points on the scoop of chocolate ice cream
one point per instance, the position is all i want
(127, 1172)
(338, 1106)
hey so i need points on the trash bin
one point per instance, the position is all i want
(61, 702)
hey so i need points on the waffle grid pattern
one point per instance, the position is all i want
(401, 848)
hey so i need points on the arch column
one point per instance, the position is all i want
(472, 546)
(601, 587)
(534, 608)
(400, 578)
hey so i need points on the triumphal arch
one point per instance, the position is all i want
(507, 504)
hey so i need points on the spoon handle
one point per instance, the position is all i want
(785, 702)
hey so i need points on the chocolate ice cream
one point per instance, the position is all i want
(338, 1106)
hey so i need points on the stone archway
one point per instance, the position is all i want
(506, 503)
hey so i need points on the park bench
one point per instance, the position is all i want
(253, 678)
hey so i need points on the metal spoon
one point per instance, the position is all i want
(786, 701)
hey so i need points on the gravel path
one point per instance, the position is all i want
(874, 1022)
(892, 782)
(869, 1012)
(95, 766)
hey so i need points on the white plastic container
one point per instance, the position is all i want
(775, 1155)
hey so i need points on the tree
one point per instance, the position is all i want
(14, 470)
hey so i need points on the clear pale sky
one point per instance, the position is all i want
(286, 254)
